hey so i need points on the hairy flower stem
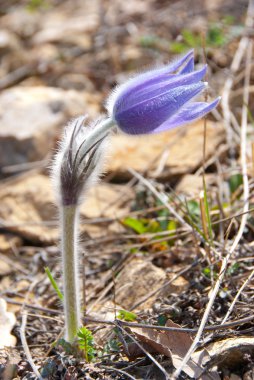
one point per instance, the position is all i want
(76, 168)
(69, 236)
(100, 131)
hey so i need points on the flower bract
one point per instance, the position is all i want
(78, 162)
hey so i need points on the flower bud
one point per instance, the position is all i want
(160, 99)
(78, 162)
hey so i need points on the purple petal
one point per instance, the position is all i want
(188, 68)
(148, 115)
(170, 68)
(161, 86)
(149, 78)
(187, 114)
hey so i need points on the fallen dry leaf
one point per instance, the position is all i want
(175, 345)
(7, 322)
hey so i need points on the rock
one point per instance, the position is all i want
(8, 242)
(177, 286)
(26, 204)
(30, 119)
(135, 281)
(22, 22)
(5, 268)
(192, 184)
(8, 42)
(63, 28)
(7, 322)
(107, 200)
(71, 36)
(27, 207)
(232, 353)
(166, 155)
(12, 56)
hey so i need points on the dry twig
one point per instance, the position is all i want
(246, 282)
(25, 345)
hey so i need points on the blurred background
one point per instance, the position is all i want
(59, 59)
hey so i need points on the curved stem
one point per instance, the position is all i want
(100, 131)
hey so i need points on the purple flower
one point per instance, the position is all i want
(160, 99)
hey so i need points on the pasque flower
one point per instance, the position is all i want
(160, 99)
(152, 102)
(77, 165)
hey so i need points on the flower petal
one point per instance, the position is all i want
(149, 92)
(188, 68)
(145, 79)
(147, 116)
(187, 114)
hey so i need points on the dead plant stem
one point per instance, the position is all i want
(25, 345)
(246, 282)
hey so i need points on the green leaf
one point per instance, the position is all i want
(86, 343)
(53, 283)
(36, 5)
(67, 347)
(127, 316)
(113, 345)
(135, 224)
(235, 181)
(215, 36)
(194, 210)
(178, 47)
(207, 272)
(193, 219)
(153, 226)
(163, 214)
(162, 319)
(172, 225)
(228, 19)
(148, 41)
(190, 38)
(208, 217)
(233, 269)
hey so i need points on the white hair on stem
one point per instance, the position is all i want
(76, 167)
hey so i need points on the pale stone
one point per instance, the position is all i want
(28, 207)
(30, 120)
(192, 184)
(9, 242)
(165, 155)
(136, 280)
(7, 322)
